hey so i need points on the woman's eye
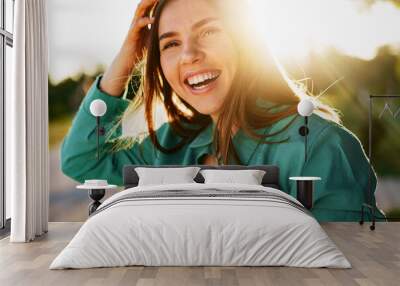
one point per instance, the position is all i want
(210, 32)
(170, 45)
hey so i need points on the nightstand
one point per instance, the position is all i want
(305, 189)
(96, 190)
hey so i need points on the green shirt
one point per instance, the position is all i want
(334, 154)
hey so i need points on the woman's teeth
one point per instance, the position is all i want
(200, 81)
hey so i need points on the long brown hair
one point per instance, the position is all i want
(257, 76)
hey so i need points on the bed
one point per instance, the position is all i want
(201, 224)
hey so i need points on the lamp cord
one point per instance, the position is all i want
(98, 135)
(305, 138)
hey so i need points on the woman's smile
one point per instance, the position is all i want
(202, 82)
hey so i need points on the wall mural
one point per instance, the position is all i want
(172, 83)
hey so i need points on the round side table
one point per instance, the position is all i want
(96, 193)
(305, 189)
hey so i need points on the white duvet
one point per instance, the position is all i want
(203, 231)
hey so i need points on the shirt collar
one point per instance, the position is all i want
(244, 144)
(205, 138)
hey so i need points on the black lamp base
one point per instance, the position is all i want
(96, 195)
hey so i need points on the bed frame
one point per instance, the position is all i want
(270, 179)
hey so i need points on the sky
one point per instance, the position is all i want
(86, 33)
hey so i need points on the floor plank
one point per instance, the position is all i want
(374, 255)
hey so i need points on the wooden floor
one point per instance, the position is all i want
(375, 257)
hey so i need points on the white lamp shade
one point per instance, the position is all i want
(98, 107)
(305, 107)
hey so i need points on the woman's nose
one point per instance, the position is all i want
(191, 53)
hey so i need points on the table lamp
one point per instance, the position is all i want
(98, 108)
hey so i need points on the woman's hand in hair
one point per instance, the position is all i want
(131, 52)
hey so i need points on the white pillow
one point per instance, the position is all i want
(249, 177)
(163, 176)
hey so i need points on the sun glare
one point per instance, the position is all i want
(278, 29)
(293, 28)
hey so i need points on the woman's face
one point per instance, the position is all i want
(198, 57)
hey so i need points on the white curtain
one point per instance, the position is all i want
(27, 157)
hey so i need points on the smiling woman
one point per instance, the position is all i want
(200, 59)
(226, 100)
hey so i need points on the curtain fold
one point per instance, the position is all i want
(27, 150)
